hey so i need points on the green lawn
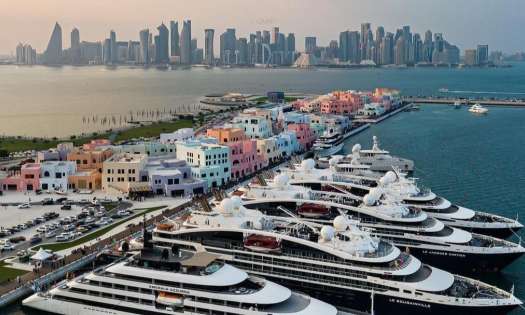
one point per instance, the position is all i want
(9, 273)
(264, 99)
(15, 144)
(153, 130)
(98, 233)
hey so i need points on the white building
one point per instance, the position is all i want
(257, 124)
(54, 174)
(209, 162)
(182, 134)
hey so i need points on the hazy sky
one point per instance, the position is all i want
(499, 23)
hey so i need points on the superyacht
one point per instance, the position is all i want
(329, 143)
(358, 180)
(161, 280)
(406, 227)
(340, 263)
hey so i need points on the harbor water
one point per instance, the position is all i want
(48, 101)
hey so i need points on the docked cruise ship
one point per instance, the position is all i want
(376, 159)
(338, 263)
(407, 227)
(358, 180)
(329, 143)
(171, 281)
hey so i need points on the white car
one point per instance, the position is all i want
(7, 246)
(41, 229)
(24, 206)
(62, 237)
(51, 233)
(99, 214)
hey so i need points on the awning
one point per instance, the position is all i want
(41, 255)
(199, 259)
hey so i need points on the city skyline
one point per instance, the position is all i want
(487, 20)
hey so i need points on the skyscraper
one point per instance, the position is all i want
(365, 30)
(228, 45)
(53, 52)
(185, 43)
(162, 51)
(310, 44)
(354, 53)
(144, 46)
(209, 58)
(427, 47)
(275, 35)
(75, 46)
(175, 45)
(106, 51)
(241, 51)
(387, 49)
(113, 47)
(399, 51)
(482, 54)
(343, 46)
(290, 48)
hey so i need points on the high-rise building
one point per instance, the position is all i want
(91, 52)
(75, 47)
(354, 53)
(228, 46)
(113, 47)
(310, 44)
(387, 49)
(482, 54)
(106, 48)
(53, 52)
(144, 47)
(399, 51)
(470, 57)
(427, 47)
(275, 35)
(343, 46)
(20, 54)
(162, 51)
(185, 43)
(241, 51)
(380, 34)
(364, 45)
(290, 48)
(174, 32)
(209, 58)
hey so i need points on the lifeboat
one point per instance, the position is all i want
(170, 299)
(165, 226)
(311, 210)
(261, 243)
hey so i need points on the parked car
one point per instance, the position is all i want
(35, 239)
(7, 246)
(24, 206)
(61, 200)
(66, 207)
(51, 233)
(47, 201)
(17, 239)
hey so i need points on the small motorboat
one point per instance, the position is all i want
(478, 109)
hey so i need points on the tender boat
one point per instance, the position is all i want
(478, 109)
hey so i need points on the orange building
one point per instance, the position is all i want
(89, 167)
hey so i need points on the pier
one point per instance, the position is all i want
(464, 101)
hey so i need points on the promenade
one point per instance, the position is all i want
(450, 101)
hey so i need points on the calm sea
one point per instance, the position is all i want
(45, 101)
(477, 161)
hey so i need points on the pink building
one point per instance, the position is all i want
(243, 151)
(305, 135)
(96, 143)
(27, 179)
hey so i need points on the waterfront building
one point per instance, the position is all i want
(209, 58)
(185, 43)
(174, 43)
(123, 172)
(268, 149)
(56, 154)
(113, 47)
(54, 175)
(386, 49)
(241, 51)
(364, 40)
(209, 162)
(149, 148)
(287, 143)
(482, 54)
(256, 123)
(182, 134)
(75, 47)
(310, 44)
(308, 105)
(173, 177)
(244, 154)
(296, 118)
(106, 51)
(25, 179)
(53, 52)
(89, 167)
(304, 135)
(144, 47)
(341, 122)
(162, 49)
(372, 110)
(91, 52)
(471, 57)
(290, 48)
(96, 143)
(228, 43)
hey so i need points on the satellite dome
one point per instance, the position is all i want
(257, 225)
(281, 180)
(356, 148)
(369, 199)
(307, 164)
(226, 205)
(376, 192)
(388, 178)
(334, 160)
(340, 223)
(327, 233)
(236, 202)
